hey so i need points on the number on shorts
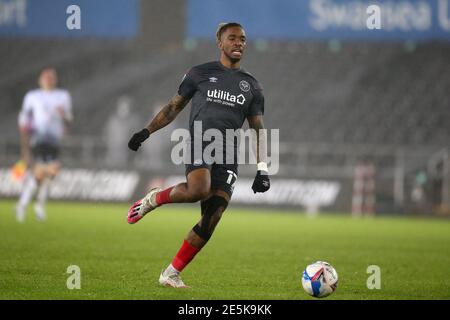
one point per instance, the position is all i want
(230, 179)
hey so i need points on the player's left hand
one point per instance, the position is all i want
(262, 182)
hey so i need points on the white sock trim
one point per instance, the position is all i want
(262, 166)
(171, 269)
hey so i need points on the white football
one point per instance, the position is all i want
(319, 279)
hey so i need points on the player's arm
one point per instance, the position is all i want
(23, 122)
(256, 123)
(262, 181)
(167, 114)
(65, 112)
(25, 150)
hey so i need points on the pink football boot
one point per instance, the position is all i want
(141, 207)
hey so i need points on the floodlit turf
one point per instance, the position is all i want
(251, 256)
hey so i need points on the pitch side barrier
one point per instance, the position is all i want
(76, 184)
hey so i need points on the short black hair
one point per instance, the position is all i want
(224, 26)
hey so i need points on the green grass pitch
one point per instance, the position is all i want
(252, 255)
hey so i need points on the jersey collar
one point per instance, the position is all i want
(228, 69)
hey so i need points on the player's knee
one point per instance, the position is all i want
(203, 193)
(198, 193)
(212, 210)
(39, 177)
(53, 171)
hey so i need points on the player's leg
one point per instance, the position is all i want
(51, 170)
(211, 212)
(29, 185)
(27, 193)
(196, 188)
(222, 181)
(39, 173)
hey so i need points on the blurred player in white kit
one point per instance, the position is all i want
(42, 124)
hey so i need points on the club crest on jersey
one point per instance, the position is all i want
(213, 79)
(244, 86)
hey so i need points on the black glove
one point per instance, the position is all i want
(262, 182)
(137, 139)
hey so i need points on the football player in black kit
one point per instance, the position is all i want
(223, 95)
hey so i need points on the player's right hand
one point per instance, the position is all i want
(137, 139)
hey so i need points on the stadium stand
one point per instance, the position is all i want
(345, 94)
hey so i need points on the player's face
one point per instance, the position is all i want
(233, 43)
(48, 79)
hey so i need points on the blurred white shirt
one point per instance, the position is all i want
(41, 116)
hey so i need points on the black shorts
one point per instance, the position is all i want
(43, 152)
(223, 176)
